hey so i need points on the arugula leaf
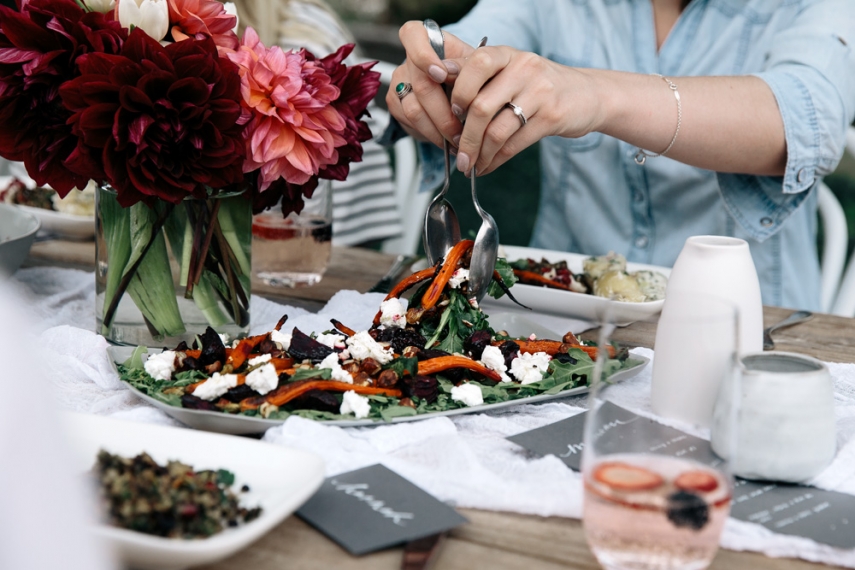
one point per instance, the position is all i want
(311, 373)
(402, 364)
(135, 361)
(506, 272)
(225, 477)
(396, 412)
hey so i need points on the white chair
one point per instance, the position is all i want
(843, 302)
(835, 242)
(411, 204)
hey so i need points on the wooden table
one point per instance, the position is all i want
(492, 540)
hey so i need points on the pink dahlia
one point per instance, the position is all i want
(199, 19)
(294, 131)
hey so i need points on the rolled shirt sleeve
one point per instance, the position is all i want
(810, 69)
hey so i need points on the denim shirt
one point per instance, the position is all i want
(595, 198)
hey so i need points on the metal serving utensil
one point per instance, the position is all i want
(442, 230)
(484, 252)
(793, 319)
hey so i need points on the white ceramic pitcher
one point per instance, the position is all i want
(722, 267)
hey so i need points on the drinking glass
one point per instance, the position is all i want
(655, 498)
(294, 251)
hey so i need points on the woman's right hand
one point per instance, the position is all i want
(426, 112)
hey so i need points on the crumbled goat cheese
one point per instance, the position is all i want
(215, 386)
(458, 278)
(224, 338)
(260, 359)
(528, 368)
(493, 359)
(393, 313)
(331, 340)
(338, 373)
(468, 393)
(353, 403)
(161, 366)
(362, 346)
(281, 338)
(263, 379)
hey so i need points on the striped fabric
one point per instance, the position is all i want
(365, 208)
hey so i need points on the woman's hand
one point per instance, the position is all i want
(555, 100)
(426, 112)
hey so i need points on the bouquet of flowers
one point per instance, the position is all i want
(162, 104)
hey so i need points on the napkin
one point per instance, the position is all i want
(464, 460)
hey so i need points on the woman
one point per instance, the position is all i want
(364, 205)
(766, 91)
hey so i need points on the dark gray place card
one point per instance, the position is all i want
(374, 508)
(824, 516)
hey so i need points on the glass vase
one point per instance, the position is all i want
(166, 273)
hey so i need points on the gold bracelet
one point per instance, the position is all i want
(641, 156)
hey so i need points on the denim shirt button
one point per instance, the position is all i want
(801, 176)
(641, 242)
(766, 222)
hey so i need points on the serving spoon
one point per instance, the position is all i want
(793, 319)
(484, 252)
(442, 230)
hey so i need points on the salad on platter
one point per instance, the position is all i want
(438, 354)
(79, 203)
(603, 276)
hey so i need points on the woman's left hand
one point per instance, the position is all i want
(555, 100)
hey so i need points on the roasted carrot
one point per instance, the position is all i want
(449, 266)
(405, 284)
(242, 351)
(281, 322)
(532, 277)
(342, 327)
(441, 363)
(284, 394)
(281, 364)
(553, 347)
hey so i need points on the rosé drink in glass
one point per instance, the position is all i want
(294, 251)
(646, 512)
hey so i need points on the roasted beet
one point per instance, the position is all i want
(509, 350)
(477, 342)
(195, 403)
(320, 400)
(424, 387)
(429, 353)
(189, 363)
(304, 347)
(213, 349)
(400, 338)
(565, 358)
(182, 347)
(239, 393)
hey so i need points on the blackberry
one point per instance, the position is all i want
(687, 510)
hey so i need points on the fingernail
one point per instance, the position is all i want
(456, 140)
(453, 151)
(451, 66)
(437, 73)
(457, 110)
(462, 162)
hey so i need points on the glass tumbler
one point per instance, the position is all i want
(294, 251)
(654, 498)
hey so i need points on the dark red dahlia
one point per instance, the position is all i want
(39, 49)
(358, 86)
(166, 120)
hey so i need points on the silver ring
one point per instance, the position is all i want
(403, 89)
(517, 111)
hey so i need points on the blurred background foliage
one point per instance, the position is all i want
(511, 193)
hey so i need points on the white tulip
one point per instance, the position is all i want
(102, 6)
(152, 16)
(231, 9)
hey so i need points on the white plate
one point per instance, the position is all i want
(280, 481)
(63, 225)
(568, 303)
(237, 424)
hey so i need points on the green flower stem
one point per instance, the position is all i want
(115, 223)
(231, 232)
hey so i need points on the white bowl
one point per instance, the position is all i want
(280, 480)
(17, 232)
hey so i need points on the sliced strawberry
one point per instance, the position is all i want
(272, 228)
(625, 477)
(698, 481)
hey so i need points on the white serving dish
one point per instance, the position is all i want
(17, 231)
(571, 304)
(280, 480)
(221, 422)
